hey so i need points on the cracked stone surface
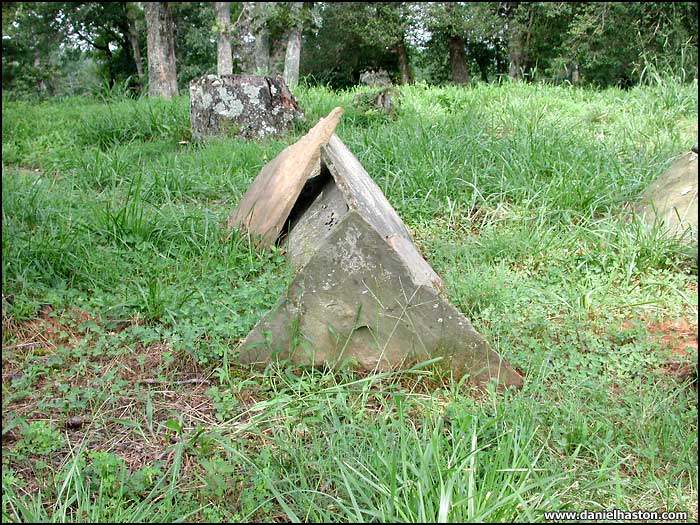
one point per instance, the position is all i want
(248, 106)
(363, 294)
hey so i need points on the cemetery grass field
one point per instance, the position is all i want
(122, 399)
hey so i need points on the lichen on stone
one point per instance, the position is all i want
(246, 101)
(253, 93)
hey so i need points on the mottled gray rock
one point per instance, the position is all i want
(362, 293)
(248, 106)
(671, 201)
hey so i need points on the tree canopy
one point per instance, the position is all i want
(75, 47)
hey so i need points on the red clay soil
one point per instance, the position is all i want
(681, 338)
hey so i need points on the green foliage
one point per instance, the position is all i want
(654, 32)
(27, 39)
(104, 27)
(333, 55)
(548, 39)
(41, 438)
(477, 23)
(70, 48)
(195, 40)
(65, 48)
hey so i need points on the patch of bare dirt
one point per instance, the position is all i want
(47, 331)
(163, 385)
(680, 337)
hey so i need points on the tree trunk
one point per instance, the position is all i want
(110, 67)
(262, 39)
(278, 55)
(162, 72)
(515, 52)
(224, 58)
(244, 39)
(458, 60)
(252, 39)
(133, 36)
(483, 68)
(519, 41)
(404, 66)
(291, 60)
(37, 65)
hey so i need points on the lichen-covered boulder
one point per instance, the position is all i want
(671, 201)
(247, 106)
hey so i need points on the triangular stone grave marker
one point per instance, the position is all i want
(362, 291)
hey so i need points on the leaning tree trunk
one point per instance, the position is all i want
(162, 72)
(224, 58)
(291, 60)
(404, 66)
(458, 60)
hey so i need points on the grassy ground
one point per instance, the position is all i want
(121, 396)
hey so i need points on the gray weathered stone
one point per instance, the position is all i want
(363, 293)
(242, 105)
(378, 78)
(671, 201)
(270, 199)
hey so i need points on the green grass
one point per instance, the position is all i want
(126, 301)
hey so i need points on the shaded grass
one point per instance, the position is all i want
(514, 193)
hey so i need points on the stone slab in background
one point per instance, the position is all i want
(378, 78)
(363, 293)
(671, 201)
(248, 106)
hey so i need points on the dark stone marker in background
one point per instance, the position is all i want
(247, 106)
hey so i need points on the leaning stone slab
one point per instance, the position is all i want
(248, 106)
(363, 294)
(269, 201)
(671, 201)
